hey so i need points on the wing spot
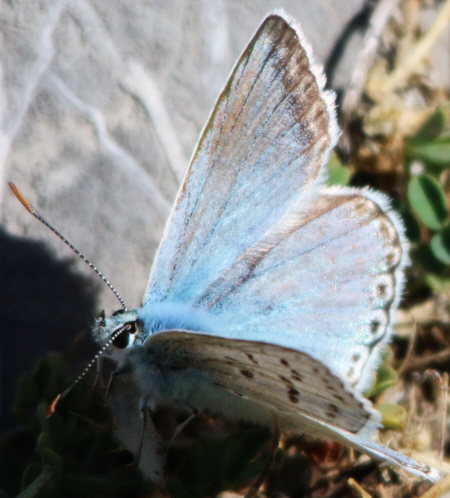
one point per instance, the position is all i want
(333, 408)
(293, 399)
(382, 290)
(294, 372)
(247, 373)
(250, 357)
(356, 357)
(374, 326)
(293, 395)
(385, 229)
(238, 394)
(287, 381)
(393, 258)
(316, 370)
(284, 362)
(339, 398)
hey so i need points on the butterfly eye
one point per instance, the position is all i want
(122, 340)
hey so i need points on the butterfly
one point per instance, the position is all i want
(272, 295)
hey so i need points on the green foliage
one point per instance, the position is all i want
(74, 451)
(431, 144)
(385, 375)
(427, 158)
(427, 198)
(218, 465)
(338, 173)
(393, 416)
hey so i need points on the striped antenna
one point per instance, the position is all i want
(52, 407)
(30, 209)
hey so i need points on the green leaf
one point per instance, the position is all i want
(411, 224)
(431, 144)
(440, 245)
(433, 153)
(431, 129)
(338, 174)
(392, 416)
(437, 283)
(427, 197)
(424, 255)
(386, 377)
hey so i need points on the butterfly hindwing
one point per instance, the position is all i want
(283, 381)
(325, 281)
(295, 391)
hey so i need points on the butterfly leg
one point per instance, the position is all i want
(270, 461)
(118, 371)
(181, 426)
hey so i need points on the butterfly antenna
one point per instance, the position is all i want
(52, 407)
(33, 211)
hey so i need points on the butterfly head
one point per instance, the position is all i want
(118, 332)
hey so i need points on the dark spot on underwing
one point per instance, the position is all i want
(293, 395)
(247, 373)
(250, 357)
(238, 394)
(284, 362)
(316, 370)
(284, 379)
(333, 408)
(356, 357)
(296, 375)
(336, 396)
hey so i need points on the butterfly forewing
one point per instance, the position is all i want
(262, 148)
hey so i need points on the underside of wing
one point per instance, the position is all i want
(260, 377)
(262, 148)
(258, 382)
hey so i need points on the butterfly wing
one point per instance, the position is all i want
(262, 148)
(259, 243)
(325, 280)
(248, 379)
(285, 381)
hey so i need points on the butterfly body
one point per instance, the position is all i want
(271, 295)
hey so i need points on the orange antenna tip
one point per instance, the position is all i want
(22, 198)
(52, 407)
